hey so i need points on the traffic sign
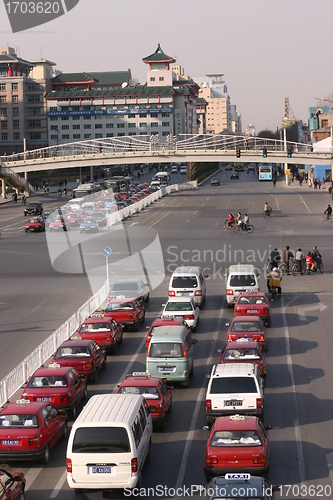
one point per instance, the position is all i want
(107, 251)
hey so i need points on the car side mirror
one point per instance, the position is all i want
(227, 324)
(206, 276)
(208, 376)
(163, 305)
(194, 341)
(206, 428)
(219, 351)
(268, 427)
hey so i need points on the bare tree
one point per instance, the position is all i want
(192, 170)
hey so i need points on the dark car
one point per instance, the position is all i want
(33, 208)
(12, 485)
(234, 175)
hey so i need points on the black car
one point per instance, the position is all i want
(33, 208)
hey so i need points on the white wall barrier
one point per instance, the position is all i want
(19, 375)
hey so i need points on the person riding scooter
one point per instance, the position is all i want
(274, 282)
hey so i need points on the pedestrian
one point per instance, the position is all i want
(323, 182)
(330, 191)
(300, 260)
(287, 257)
(274, 180)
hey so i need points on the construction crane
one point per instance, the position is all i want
(289, 119)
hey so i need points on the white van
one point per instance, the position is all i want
(241, 278)
(109, 443)
(188, 281)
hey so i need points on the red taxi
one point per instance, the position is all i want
(105, 331)
(254, 304)
(127, 312)
(245, 352)
(29, 430)
(35, 224)
(155, 391)
(247, 329)
(73, 219)
(12, 485)
(84, 355)
(58, 224)
(162, 322)
(61, 386)
(237, 443)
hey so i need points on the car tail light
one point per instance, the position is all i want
(64, 399)
(69, 465)
(229, 339)
(237, 309)
(262, 338)
(189, 316)
(230, 292)
(134, 465)
(130, 316)
(259, 403)
(261, 368)
(88, 365)
(259, 460)
(210, 461)
(137, 298)
(208, 404)
(148, 352)
(184, 351)
(109, 339)
(198, 293)
(172, 293)
(34, 442)
(266, 310)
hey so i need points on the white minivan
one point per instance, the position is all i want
(241, 278)
(109, 443)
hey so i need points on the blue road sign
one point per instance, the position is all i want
(107, 251)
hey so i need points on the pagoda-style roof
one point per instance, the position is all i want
(102, 78)
(72, 78)
(158, 56)
(139, 90)
(6, 58)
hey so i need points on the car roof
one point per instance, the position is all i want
(125, 281)
(170, 333)
(180, 299)
(239, 422)
(23, 408)
(233, 369)
(167, 321)
(97, 319)
(247, 319)
(51, 370)
(139, 380)
(252, 294)
(122, 300)
(76, 342)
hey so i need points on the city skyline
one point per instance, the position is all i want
(265, 51)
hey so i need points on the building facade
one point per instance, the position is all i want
(214, 90)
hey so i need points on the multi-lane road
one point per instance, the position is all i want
(35, 300)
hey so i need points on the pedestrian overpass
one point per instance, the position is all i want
(131, 150)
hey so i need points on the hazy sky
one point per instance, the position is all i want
(266, 49)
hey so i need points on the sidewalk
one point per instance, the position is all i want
(40, 192)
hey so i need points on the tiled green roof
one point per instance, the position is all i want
(127, 91)
(201, 100)
(158, 55)
(5, 58)
(71, 77)
(111, 77)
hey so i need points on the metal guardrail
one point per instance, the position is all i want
(20, 374)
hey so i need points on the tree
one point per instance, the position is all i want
(269, 134)
(192, 171)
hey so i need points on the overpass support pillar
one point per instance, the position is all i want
(3, 189)
(92, 173)
(26, 181)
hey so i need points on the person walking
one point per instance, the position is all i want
(287, 256)
(328, 212)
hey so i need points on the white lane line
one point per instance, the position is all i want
(35, 308)
(202, 205)
(11, 225)
(207, 198)
(201, 398)
(132, 360)
(294, 412)
(59, 485)
(188, 220)
(158, 220)
(31, 476)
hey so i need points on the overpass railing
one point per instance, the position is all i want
(10, 384)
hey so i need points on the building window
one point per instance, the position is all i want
(87, 117)
(109, 125)
(98, 136)
(15, 98)
(65, 136)
(53, 118)
(131, 116)
(4, 137)
(109, 134)
(165, 124)
(16, 124)
(152, 78)
(164, 134)
(2, 86)
(34, 136)
(154, 124)
(132, 133)
(65, 127)
(76, 136)
(3, 99)
(87, 136)
(14, 86)
(143, 133)
(32, 86)
(52, 110)
(76, 117)
(143, 116)
(165, 115)
(33, 111)
(3, 111)
(99, 125)
(53, 127)
(98, 117)
(87, 127)
(54, 137)
(76, 127)
(119, 117)
(131, 125)
(16, 136)
(4, 124)
(161, 79)
(65, 118)
(121, 134)
(143, 125)
(120, 125)
(37, 123)
(33, 98)
(324, 123)
(154, 115)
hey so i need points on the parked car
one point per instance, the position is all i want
(244, 352)
(247, 329)
(105, 331)
(33, 208)
(254, 304)
(182, 308)
(127, 312)
(61, 386)
(84, 355)
(35, 224)
(12, 485)
(29, 430)
(158, 322)
(128, 288)
(155, 391)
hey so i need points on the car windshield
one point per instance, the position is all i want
(245, 326)
(185, 282)
(48, 380)
(178, 306)
(235, 438)
(119, 306)
(72, 351)
(18, 420)
(119, 287)
(242, 280)
(149, 392)
(165, 350)
(252, 300)
(95, 327)
(234, 354)
(233, 385)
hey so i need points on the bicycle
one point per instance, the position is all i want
(241, 227)
(225, 226)
(282, 267)
(268, 213)
(296, 270)
(326, 218)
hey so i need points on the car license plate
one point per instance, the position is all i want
(42, 400)
(166, 368)
(10, 442)
(185, 293)
(101, 470)
(252, 310)
(233, 403)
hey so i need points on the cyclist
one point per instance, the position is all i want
(328, 211)
(24, 199)
(267, 209)
(239, 218)
(310, 261)
(316, 255)
(300, 258)
(245, 221)
(230, 221)
(274, 281)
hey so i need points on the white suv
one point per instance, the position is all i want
(234, 388)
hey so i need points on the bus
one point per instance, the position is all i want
(117, 183)
(265, 172)
(85, 189)
(238, 166)
(163, 178)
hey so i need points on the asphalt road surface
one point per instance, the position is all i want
(35, 300)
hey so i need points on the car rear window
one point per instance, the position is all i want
(252, 300)
(95, 327)
(62, 352)
(148, 392)
(178, 306)
(101, 440)
(48, 381)
(241, 354)
(18, 420)
(245, 326)
(242, 280)
(235, 438)
(116, 306)
(166, 350)
(185, 282)
(233, 385)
